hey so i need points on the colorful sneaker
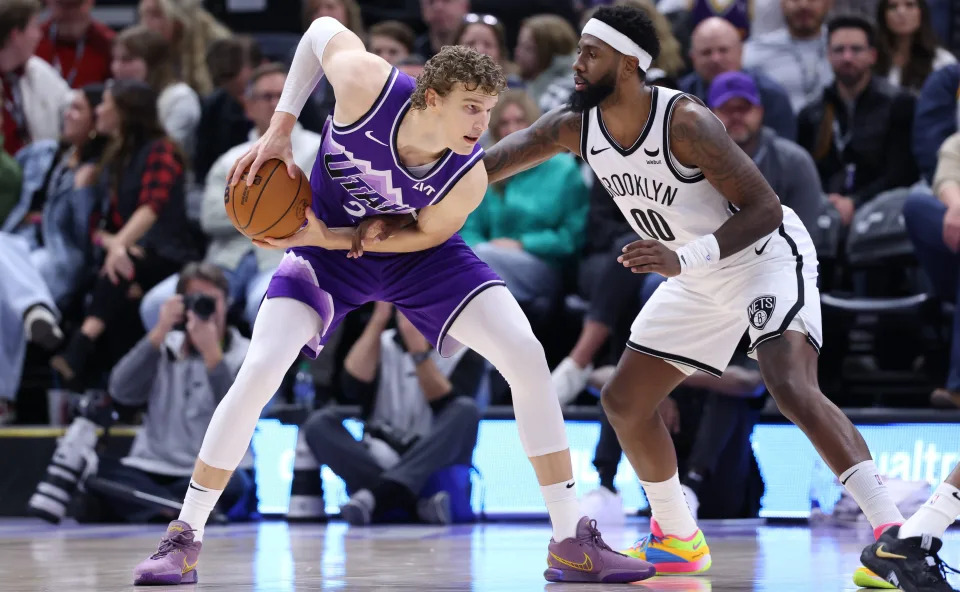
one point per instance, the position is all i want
(863, 577)
(586, 558)
(910, 564)
(672, 555)
(175, 561)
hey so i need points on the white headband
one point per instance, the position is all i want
(618, 41)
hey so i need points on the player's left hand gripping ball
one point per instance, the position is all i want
(314, 233)
(649, 256)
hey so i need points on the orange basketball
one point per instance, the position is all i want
(274, 206)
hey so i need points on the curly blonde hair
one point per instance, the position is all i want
(458, 64)
(198, 29)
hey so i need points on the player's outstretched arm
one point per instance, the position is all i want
(556, 131)
(357, 77)
(698, 139)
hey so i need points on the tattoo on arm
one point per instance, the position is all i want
(698, 139)
(554, 132)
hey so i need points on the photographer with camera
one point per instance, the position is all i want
(419, 417)
(180, 370)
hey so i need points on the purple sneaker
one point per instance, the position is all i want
(175, 561)
(586, 558)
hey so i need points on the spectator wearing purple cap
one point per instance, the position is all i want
(716, 47)
(786, 166)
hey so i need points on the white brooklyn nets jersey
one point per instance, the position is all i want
(696, 319)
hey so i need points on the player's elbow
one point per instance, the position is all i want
(771, 213)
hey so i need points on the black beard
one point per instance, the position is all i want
(592, 96)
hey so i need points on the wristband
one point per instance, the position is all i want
(420, 357)
(701, 253)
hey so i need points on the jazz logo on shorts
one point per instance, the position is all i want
(760, 310)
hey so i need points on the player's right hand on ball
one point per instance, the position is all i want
(275, 143)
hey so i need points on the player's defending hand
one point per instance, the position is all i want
(374, 229)
(275, 143)
(314, 234)
(646, 256)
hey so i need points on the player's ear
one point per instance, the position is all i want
(431, 97)
(630, 65)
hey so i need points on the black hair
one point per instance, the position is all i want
(635, 24)
(850, 21)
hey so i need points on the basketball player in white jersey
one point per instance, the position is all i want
(737, 260)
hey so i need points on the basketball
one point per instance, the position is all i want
(273, 206)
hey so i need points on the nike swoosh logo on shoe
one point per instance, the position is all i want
(697, 546)
(187, 568)
(885, 555)
(586, 565)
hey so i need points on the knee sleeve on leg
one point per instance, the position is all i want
(283, 326)
(494, 326)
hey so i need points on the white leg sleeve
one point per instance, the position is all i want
(283, 326)
(494, 326)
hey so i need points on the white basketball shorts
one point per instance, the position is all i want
(696, 321)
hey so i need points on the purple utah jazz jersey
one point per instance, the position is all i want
(358, 172)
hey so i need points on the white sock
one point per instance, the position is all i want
(197, 505)
(669, 507)
(563, 507)
(863, 482)
(935, 515)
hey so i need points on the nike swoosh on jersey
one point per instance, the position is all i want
(594, 151)
(369, 135)
(760, 252)
(955, 494)
(651, 154)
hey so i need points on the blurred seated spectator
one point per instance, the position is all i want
(715, 48)
(788, 169)
(44, 242)
(52, 216)
(907, 47)
(189, 29)
(443, 18)
(735, 12)
(858, 132)
(767, 17)
(178, 372)
(143, 55)
(391, 40)
(419, 418)
(75, 44)
(933, 222)
(711, 420)
(936, 117)
(223, 123)
(11, 178)
(33, 92)
(247, 268)
(141, 228)
(485, 34)
(529, 227)
(736, 100)
(795, 56)
(545, 52)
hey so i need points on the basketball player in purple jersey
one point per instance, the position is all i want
(394, 145)
(736, 259)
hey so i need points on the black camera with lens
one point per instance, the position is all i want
(202, 305)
